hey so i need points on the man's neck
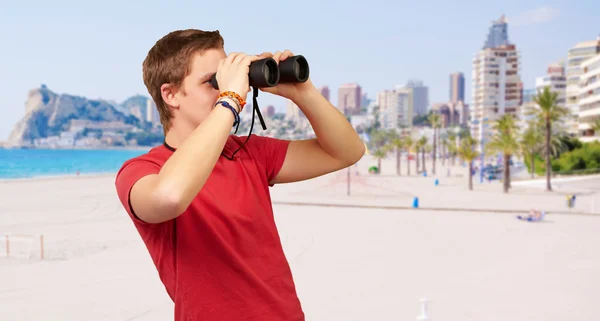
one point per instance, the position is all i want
(176, 135)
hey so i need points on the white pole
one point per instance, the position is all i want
(424, 310)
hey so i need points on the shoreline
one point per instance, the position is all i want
(58, 177)
(99, 148)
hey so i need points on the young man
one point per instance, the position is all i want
(206, 217)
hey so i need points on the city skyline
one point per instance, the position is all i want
(119, 47)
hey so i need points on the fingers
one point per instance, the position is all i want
(238, 58)
(278, 56)
(286, 54)
(231, 57)
(249, 59)
(265, 55)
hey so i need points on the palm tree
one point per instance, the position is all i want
(548, 112)
(436, 121)
(466, 151)
(444, 147)
(417, 144)
(408, 145)
(452, 149)
(398, 144)
(379, 154)
(504, 140)
(531, 143)
(421, 147)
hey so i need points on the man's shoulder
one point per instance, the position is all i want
(258, 141)
(156, 156)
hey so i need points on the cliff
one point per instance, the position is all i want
(49, 114)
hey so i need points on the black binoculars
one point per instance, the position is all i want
(266, 72)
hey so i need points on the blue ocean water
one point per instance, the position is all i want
(26, 163)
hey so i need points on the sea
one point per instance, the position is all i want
(31, 163)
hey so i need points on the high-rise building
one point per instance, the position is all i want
(420, 97)
(452, 113)
(324, 90)
(497, 86)
(270, 111)
(576, 56)
(498, 34)
(457, 87)
(349, 99)
(395, 111)
(152, 115)
(589, 98)
(364, 102)
(556, 80)
(293, 112)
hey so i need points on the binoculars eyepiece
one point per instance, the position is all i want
(266, 72)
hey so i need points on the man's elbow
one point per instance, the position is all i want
(355, 154)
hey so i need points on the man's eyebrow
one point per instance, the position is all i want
(206, 76)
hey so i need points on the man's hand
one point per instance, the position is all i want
(232, 74)
(289, 91)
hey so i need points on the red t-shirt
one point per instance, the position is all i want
(222, 259)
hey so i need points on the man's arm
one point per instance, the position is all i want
(337, 144)
(156, 198)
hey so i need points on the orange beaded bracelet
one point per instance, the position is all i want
(235, 96)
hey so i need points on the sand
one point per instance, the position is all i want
(464, 250)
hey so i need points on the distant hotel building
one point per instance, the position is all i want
(497, 86)
(455, 112)
(452, 113)
(350, 99)
(577, 55)
(152, 115)
(270, 111)
(324, 90)
(589, 98)
(395, 110)
(556, 80)
(420, 97)
(457, 87)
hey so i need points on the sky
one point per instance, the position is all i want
(95, 49)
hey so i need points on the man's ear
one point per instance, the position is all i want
(169, 95)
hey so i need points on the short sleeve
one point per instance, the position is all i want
(272, 152)
(127, 176)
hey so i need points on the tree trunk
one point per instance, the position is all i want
(379, 165)
(423, 159)
(506, 183)
(471, 175)
(434, 150)
(443, 150)
(532, 164)
(398, 161)
(417, 158)
(408, 162)
(509, 175)
(548, 165)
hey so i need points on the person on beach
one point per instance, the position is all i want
(201, 201)
(535, 215)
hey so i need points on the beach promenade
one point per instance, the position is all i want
(369, 256)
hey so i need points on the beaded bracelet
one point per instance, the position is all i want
(234, 96)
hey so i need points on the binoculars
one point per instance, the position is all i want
(266, 72)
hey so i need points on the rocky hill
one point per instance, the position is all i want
(49, 114)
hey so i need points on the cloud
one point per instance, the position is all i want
(536, 16)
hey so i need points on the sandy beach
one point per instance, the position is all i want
(367, 256)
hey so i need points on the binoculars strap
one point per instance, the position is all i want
(255, 110)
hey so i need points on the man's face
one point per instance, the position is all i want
(200, 96)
